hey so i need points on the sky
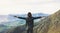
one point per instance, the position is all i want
(25, 6)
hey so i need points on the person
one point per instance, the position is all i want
(29, 21)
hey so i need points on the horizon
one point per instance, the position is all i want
(24, 6)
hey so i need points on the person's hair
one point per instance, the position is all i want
(29, 14)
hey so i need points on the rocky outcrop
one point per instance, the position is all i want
(50, 24)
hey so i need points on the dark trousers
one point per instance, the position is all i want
(30, 30)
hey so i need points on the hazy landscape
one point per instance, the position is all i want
(50, 24)
(49, 10)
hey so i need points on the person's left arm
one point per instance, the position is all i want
(37, 17)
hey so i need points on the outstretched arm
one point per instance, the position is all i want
(20, 17)
(36, 17)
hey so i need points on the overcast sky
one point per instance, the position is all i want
(24, 6)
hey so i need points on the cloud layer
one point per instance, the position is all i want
(24, 6)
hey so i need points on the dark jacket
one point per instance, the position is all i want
(29, 20)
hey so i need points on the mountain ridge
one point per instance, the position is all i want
(51, 23)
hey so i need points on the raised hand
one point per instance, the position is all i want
(19, 17)
(15, 16)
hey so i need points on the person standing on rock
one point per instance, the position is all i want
(29, 21)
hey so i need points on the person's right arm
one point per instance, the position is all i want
(20, 17)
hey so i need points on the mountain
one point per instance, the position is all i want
(50, 24)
